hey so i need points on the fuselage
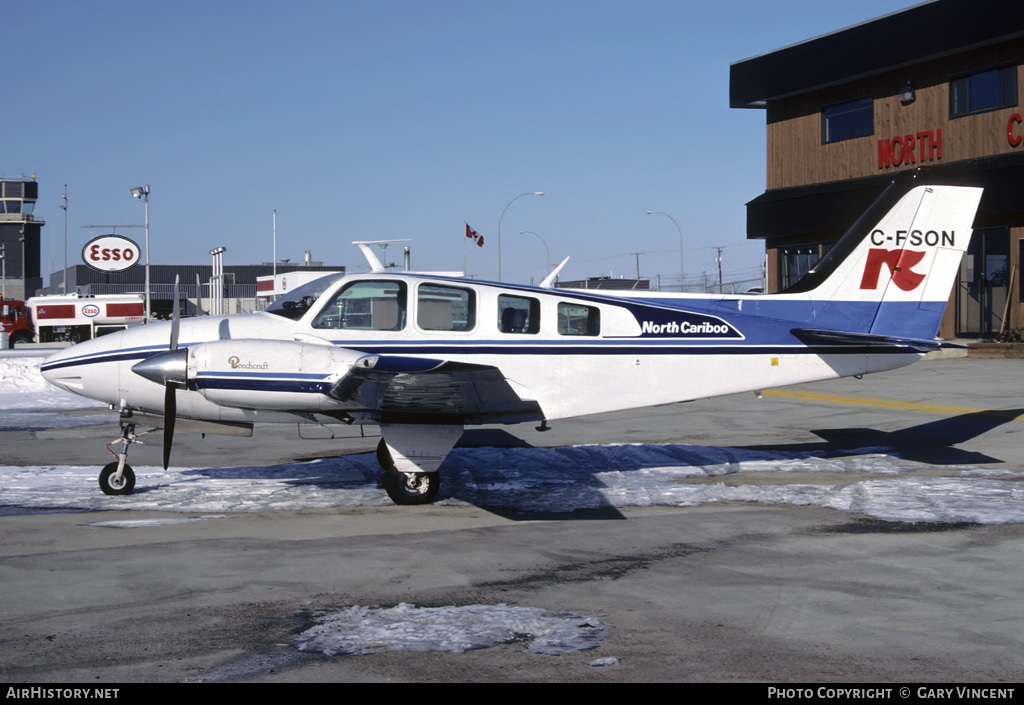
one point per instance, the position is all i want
(572, 352)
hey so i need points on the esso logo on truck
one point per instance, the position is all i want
(111, 253)
(90, 310)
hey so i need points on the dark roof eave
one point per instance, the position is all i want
(940, 28)
(833, 207)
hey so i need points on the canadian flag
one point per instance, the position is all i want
(474, 236)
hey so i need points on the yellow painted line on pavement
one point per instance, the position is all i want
(839, 399)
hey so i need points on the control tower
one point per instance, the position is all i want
(20, 275)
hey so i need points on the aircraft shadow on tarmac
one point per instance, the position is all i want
(933, 443)
(488, 471)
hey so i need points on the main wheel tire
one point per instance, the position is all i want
(407, 488)
(109, 486)
(410, 488)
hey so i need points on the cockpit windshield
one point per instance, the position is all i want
(295, 303)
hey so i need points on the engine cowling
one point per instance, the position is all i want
(269, 374)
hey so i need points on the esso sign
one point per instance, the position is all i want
(90, 310)
(110, 253)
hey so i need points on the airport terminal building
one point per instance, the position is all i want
(937, 85)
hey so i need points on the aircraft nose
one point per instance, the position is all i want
(84, 369)
(51, 366)
(60, 365)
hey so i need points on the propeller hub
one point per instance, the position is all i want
(164, 368)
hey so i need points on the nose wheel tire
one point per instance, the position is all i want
(110, 485)
(407, 488)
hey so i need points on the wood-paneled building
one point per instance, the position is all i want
(938, 85)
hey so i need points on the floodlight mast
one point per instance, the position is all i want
(502, 216)
(680, 231)
(142, 192)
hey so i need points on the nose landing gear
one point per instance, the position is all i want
(118, 477)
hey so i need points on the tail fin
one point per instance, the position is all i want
(892, 272)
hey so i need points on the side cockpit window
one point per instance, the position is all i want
(518, 314)
(365, 305)
(576, 319)
(296, 303)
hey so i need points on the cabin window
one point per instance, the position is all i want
(844, 121)
(365, 305)
(984, 90)
(440, 307)
(576, 319)
(518, 314)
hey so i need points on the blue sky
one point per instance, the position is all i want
(387, 119)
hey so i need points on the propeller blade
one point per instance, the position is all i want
(175, 317)
(170, 414)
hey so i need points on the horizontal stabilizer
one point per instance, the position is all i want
(839, 336)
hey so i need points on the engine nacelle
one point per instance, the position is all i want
(269, 374)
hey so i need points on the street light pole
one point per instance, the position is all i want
(529, 193)
(143, 193)
(64, 207)
(21, 239)
(548, 270)
(679, 230)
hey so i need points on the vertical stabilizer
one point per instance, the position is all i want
(892, 272)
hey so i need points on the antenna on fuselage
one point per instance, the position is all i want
(375, 264)
(549, 280)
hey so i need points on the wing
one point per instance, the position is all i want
(303, 377)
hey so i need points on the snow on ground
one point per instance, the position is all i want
(532, 480)
(867, 481)
(28, 402)
(367, 630)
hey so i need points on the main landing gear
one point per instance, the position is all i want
(406, 487)
(410, 456)
(118, 477)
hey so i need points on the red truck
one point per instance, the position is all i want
(14, 319)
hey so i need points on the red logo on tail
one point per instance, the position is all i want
(900, 264)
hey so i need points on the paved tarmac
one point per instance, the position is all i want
(726, 592)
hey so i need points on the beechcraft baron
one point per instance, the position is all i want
(423, 356)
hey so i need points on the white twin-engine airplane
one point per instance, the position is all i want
(423, 356)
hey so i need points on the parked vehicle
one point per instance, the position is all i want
(14, 320)
(70, 318)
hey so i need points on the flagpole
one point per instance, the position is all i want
(464, 252)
